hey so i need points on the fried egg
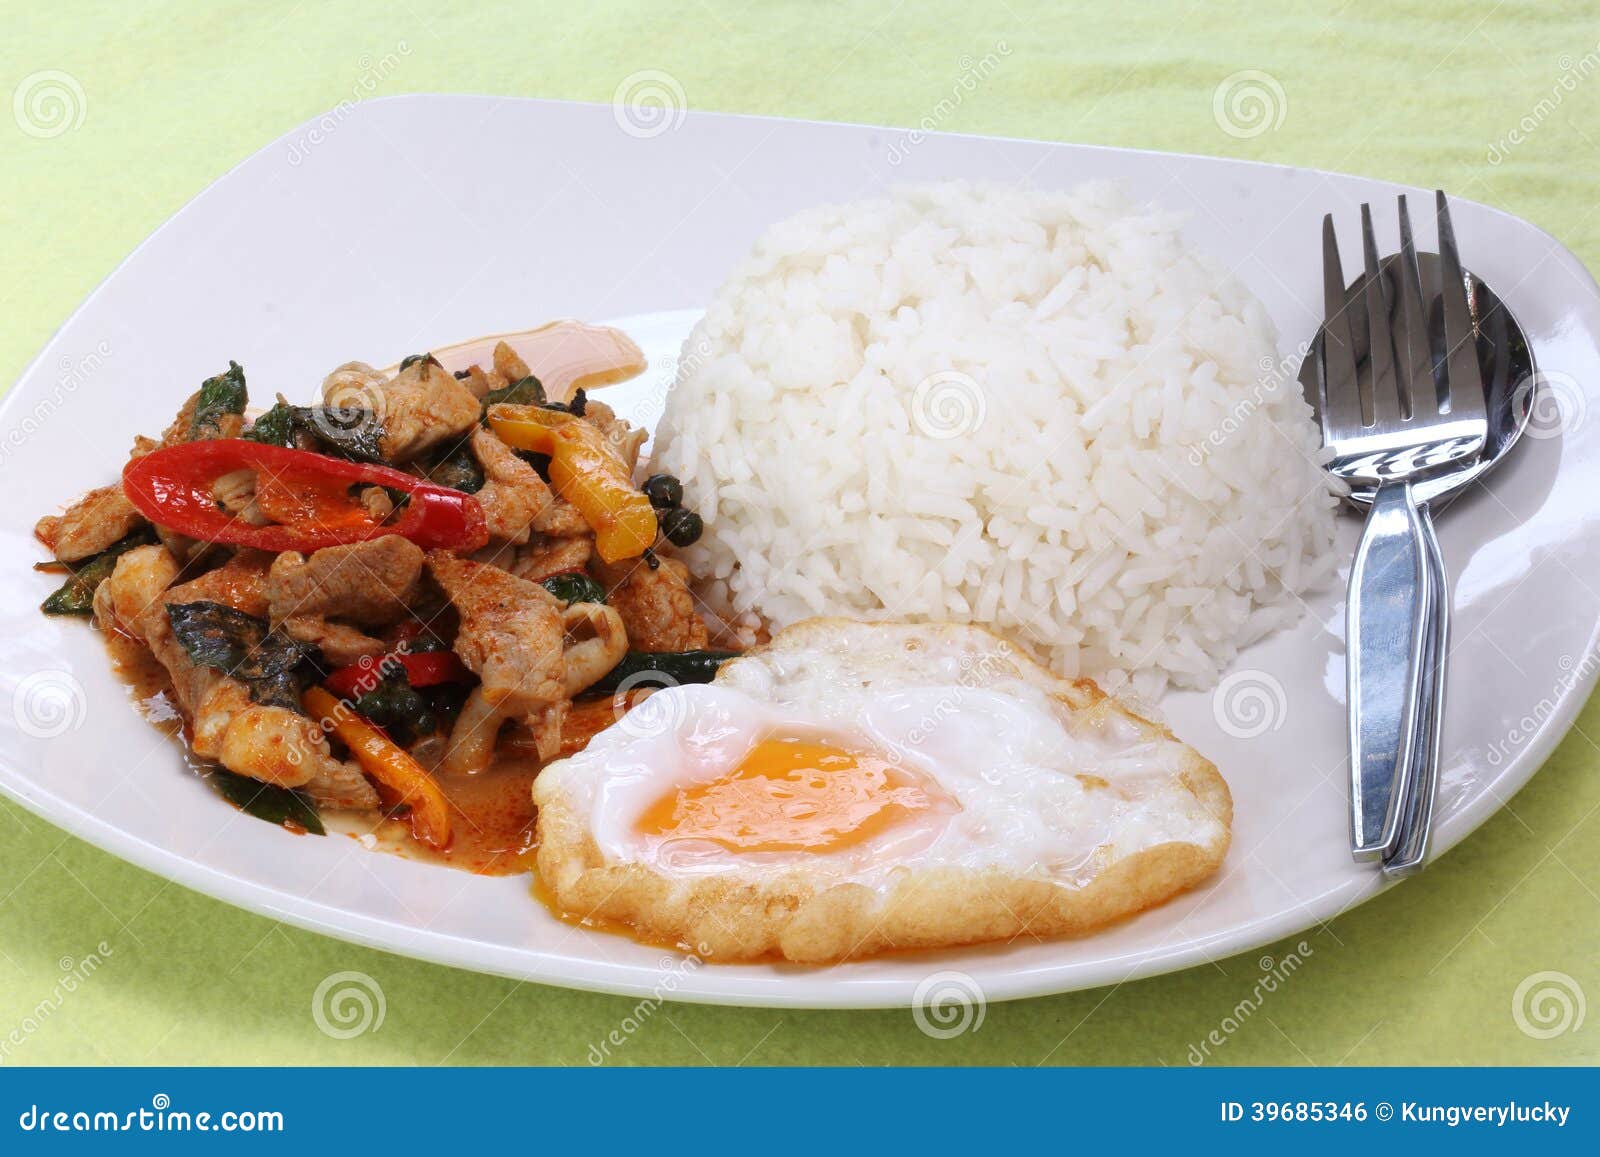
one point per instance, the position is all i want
(852, 788)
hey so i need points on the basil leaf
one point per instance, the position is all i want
(526, 392)
(243, 647)
(663, 669)
(219, 397)
(266, 801)
(571, 587)
(274, 428)
(343, 431)
(458, 469)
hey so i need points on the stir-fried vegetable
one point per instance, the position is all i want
(172, 487)
(458, 469)
(681, 527)
(527, 392)
(425, 669)
(342, 431)
(219, 397)
(405, 780)
(417, 638)
(267, 801)
(663, 490)
(663, 669)
(585, 472)
(398, 708)
(573, 586)
(76, 595)
(303, 478)
(243, 646)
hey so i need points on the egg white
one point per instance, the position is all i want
(1018, 781)
(1055, 810)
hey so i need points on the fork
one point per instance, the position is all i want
(1412, 423)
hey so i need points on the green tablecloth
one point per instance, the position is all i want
(1503, 106)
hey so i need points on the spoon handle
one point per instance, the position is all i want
(1390, 602)
(1416, 817)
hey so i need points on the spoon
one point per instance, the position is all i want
(1509, 383)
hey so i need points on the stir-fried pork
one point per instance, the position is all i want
(419, 407)
(340, 643)
(368, 583)
(513, 495)
(511, 638)
(656, 605)
(545, 555)
(91, 524)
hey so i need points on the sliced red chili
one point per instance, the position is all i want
(423, 669)
(172, 487)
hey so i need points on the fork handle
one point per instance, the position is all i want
(1416, 817)
(1390, 603)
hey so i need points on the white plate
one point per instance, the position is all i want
(414, 222)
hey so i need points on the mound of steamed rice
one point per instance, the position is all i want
(1036, 411)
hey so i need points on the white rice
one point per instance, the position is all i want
(1036, 411)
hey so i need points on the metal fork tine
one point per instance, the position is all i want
(1341, 397)
(1414, 351)
(1463, 377)
(1385, 390)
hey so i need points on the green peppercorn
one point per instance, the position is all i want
(682, 527)
(663, 490)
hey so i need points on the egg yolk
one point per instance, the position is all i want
(789, 795)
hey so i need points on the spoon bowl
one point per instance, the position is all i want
(1509, 377)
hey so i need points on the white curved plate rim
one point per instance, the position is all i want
(779, 986)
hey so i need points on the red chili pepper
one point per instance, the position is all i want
(172, 488)
(423, 669)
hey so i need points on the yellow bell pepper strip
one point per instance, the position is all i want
(584, 471)
(531, 428)
(388, 763)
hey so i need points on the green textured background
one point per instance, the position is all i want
(175, 94)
